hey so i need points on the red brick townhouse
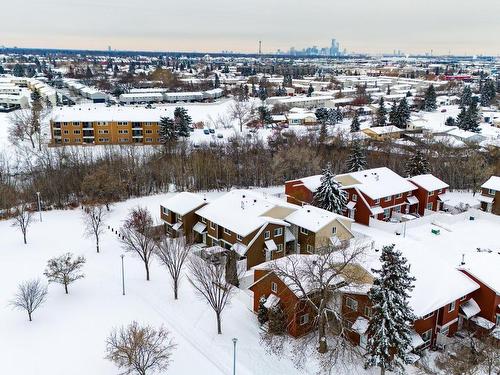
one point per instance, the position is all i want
(431, 192)
(440, 295)
(484, 269)
(178, 213)
(376, 193)
(490, 195)
(280, 291)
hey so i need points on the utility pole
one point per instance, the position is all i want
(39, 205)
(235, 340)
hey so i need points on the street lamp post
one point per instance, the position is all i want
(235, 340)
(39, 204)
(123, 275)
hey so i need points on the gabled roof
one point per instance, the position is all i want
(185, 202)
(379, 182)
(313, 218)
(243, 211)
(492, 183)
(485, 268)
(429, 182)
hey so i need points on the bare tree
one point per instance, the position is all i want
(318, 280)
(23, 126)
(140, 349)
(22, 219)
(173, 253)
(135, 235)
(64, 270)
(242, 111)
(93, 217)
(30, 295)
(209, 281)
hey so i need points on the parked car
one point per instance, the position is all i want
(220, 135)
(206, 131)
(443, 110)
(211, 130)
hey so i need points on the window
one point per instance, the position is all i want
(334, 230)
(368, 311)
(304, 319)
(400, 195)
(309, 249)
(377, 201)
(274, 287)
(431, 193)
(267, 235)
(212, 225)
(387, 213)
(164, 210)
(179, 218)
(66, 131)
(428, 316)
(77, 140)
(203, 220)
(103, 139)
(463, 298)
(122, 131)
(304, 230)
(351, 303)
(280, 247)
(103, 131)
(149, 131)
(227, 231)
(429, 206)
(445, 331)
(278, 232)
(149, 139)
(452, 307)
(498, 320)
(387, 199)
(397, 209)
(239, 238)
(76, 131)
(354, 197)
(410, 193)
(122, 139)
(66, 140)
(427, 336)
(491, 192)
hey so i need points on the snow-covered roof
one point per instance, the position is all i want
(313, 218)
(243, 211)
(379, 182)
(312, 183)
(429, 182)
(380, 130)
(185, 202)
(484, 267)
(360, 325)
(492, 183)
(470, 308)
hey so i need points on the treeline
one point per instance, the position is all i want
(71, 176)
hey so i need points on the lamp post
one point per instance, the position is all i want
(39, 204)
(123, 275)
(235, 340)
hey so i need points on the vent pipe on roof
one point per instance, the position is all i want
(463, 260)
(242, 205)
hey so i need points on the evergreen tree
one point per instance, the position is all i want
(262, 93)
(264, 115)
(322, 115)
(430, 99)
(357, 159)
(167, 130)
(462, 120)
(182, 121)
(488, 93)
(381, 113)
(216, 81)
(417, 165)
(389, 330)
(310, 90)
(450, 121)
(2, 70)
(393, 114)
(388, 92)
(355, 123)
(18, 70)
(472, 123)
(338, 115)
(403, 114)
(88, 73)
(277, 320)
(262, 312)
(329, 195)
(466, 97)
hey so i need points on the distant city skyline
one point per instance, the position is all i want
(376, 26)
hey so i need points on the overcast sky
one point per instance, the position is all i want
(373, 26)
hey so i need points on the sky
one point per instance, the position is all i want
(369, 26)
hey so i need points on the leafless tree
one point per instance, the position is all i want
(93, 217)
(22, 219)
(140, 349)
(135, 235)
(488, 348)
(209, 281)
(30, 295)
(318, 280)
(242, 111)
(23, 126)
(173, 253)
(64, 269)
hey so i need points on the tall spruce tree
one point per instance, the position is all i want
(310, 90)
(355, 123)
(167, 130)
(357, 159)
(472, 118)
(403, 114)
(430, 99)
(417, 165)
(322, 115)
(389, 330)
(488, 93)
(381, 113)
(466, 97)
(182, 121)
(393, 114)
(329, 195)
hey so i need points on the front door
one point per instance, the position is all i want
(351, 214)
(268, 255)
(362, 341)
